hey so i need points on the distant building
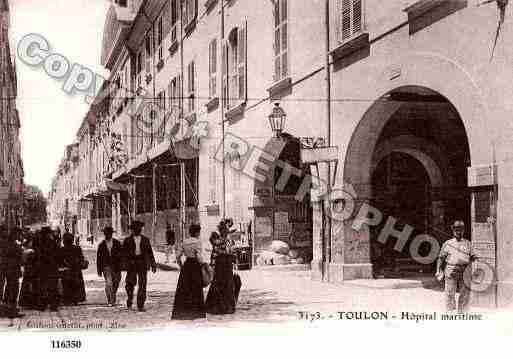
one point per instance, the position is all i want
(11, 164)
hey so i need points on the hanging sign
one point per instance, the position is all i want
(320, 154)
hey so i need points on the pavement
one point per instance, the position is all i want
(266, 297)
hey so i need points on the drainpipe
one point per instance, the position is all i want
(222, 108)
(328, 137)
(182, 92)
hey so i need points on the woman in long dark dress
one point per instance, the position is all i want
(29, 290)
(189, 301)
(221, 295)
(73, 288)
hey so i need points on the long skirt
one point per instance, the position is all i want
(29, 293)
(221, 298)
(73, 288)
(189, 303)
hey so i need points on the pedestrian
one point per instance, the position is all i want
(221, 298)
(12, 255)
(28, 292)
(140, 259)
(3, 247)
(108, 263)
(189, 300)
(454, 259)
(170, 241)
(47, 266)
(73, 261)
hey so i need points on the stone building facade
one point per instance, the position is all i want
(413, 95)
(11, 164)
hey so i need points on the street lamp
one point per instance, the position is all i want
(277, 119)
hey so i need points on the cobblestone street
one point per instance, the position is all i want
(266, 297)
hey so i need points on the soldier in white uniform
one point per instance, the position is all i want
(454, 258)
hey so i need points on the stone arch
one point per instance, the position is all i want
(425, 152)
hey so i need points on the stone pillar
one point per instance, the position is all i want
(351, 248)
(317, 242)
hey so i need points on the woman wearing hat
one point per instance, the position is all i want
(72, 260)
(221, 298)
(189, 301)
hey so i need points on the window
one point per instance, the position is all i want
(174, 20)
(189, 11)
(138, 68)
(161, 103)
(137, 136)
(212, 69)
(149, 51)
(281, 43)
(191, 97)
(160, 36)
(351, 18)
(174, 93)
(122, 3)
(127, 80)
(234, 62)
(212, 171)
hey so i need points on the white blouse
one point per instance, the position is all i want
(195, 248)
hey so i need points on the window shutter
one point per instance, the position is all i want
(170, 94)
(212, 83)
(357, 16)
(185, 3)
(179, 85)
(243, 58)
(194, 9)
(224, 70)
(167, 18)
(345, 20)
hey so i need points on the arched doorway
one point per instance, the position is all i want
(279, 215)
(401, 187)
(408, 158)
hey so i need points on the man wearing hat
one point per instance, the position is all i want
(140, 259)
(108, 264)
(454, 258)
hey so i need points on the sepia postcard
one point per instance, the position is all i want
(230, 170)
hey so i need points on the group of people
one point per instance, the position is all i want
(53, 264)
(135, 255)
(52, 270)
(216, 253)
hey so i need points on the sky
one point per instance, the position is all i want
(50, 118)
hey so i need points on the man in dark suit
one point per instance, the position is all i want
(140, 259)
(108, 263)
(11, 259)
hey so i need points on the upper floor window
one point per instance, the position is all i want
(212, 69)
(160, 38)
(190, 9)
(138, 68)
(191, 78)
(351, 18)
(149, 51)
(174, 8)
(174, 94)
(281, 43)
(234, 62)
